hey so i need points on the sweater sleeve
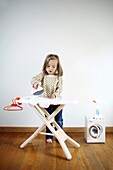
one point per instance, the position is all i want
(59, 87)
(37, 79)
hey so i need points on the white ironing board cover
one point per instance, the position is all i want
(45, 102)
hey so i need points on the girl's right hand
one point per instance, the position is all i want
(35, 85)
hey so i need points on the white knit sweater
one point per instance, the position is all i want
(52, 84)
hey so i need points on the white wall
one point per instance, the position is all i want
(80, 32)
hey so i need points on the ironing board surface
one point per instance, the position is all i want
(45, 102)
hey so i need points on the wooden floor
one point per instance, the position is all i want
(42, 156)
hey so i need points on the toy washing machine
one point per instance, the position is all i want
(95, 129)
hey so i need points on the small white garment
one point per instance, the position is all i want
(45, 102)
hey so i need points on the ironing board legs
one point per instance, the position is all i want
(32, 136)
(73, 142)
(56, 130)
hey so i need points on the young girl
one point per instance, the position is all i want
(50, 79)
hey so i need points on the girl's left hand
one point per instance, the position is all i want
(53, 96)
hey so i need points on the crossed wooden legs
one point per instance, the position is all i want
(54, 128)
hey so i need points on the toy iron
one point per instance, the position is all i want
(38, 91)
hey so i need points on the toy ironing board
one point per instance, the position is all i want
(39, 105)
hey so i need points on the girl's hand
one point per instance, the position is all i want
(53, 96)
(35, 85)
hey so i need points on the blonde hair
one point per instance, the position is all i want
(49, 57)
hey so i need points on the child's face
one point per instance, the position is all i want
(51, 67)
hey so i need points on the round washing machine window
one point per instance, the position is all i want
(95, 131)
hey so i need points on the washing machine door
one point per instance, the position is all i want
(95, 131)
